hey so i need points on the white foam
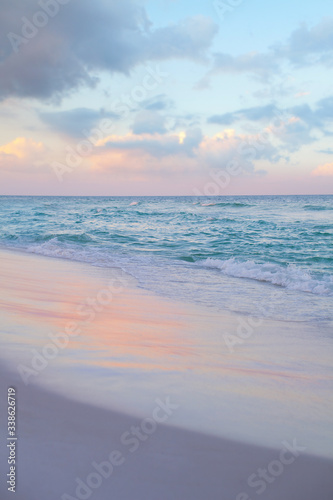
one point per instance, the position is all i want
(290, 277)
(53, 248)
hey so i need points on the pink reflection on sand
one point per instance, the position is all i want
(140, 326)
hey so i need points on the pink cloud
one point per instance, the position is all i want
(323, 170)
(20, 153)
(187, 151)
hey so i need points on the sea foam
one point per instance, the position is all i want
(291, 277)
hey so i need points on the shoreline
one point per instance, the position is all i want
(137, 351)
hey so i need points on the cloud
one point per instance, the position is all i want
(260, 65)
(257, 113)
(275, 91)
(328, 151)
(134, 156)
(301, 94)
(76, 121)
(304, 47)
(157, 145)
(187, 150)
(325, 109)
(21, 147)
(320, 117)
(190, 39)
(85, 38)
(244, 149)
(295, 125)
(293, 133)
(309, 46)
(149, 122)
(20, 154)
(157, 103)
(323, 170)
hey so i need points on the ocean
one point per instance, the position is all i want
(228, 252)
(201, 272)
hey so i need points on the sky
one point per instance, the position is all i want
(166, 97)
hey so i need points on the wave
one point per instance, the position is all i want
(317, 207)
(290, 277)
(234, 204)
(98, 211)
(55, 248)
(41, 214)
(65, 237)
(155, 273)
(226, 204)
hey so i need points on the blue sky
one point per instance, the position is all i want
(185, 86)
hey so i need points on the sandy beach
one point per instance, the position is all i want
(150, 388)
(166, 237)
(60, 439)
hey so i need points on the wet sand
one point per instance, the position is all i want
(167, 379)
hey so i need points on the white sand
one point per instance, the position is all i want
(60, 439)
(153, 343)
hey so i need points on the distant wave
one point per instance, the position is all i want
(234, 204)
(290, 277)
(42, 214)
(225, 204)
(316, 207)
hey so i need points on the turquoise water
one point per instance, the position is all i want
(226, 252)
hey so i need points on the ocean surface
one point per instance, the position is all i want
(239, 257)
(228, 252)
